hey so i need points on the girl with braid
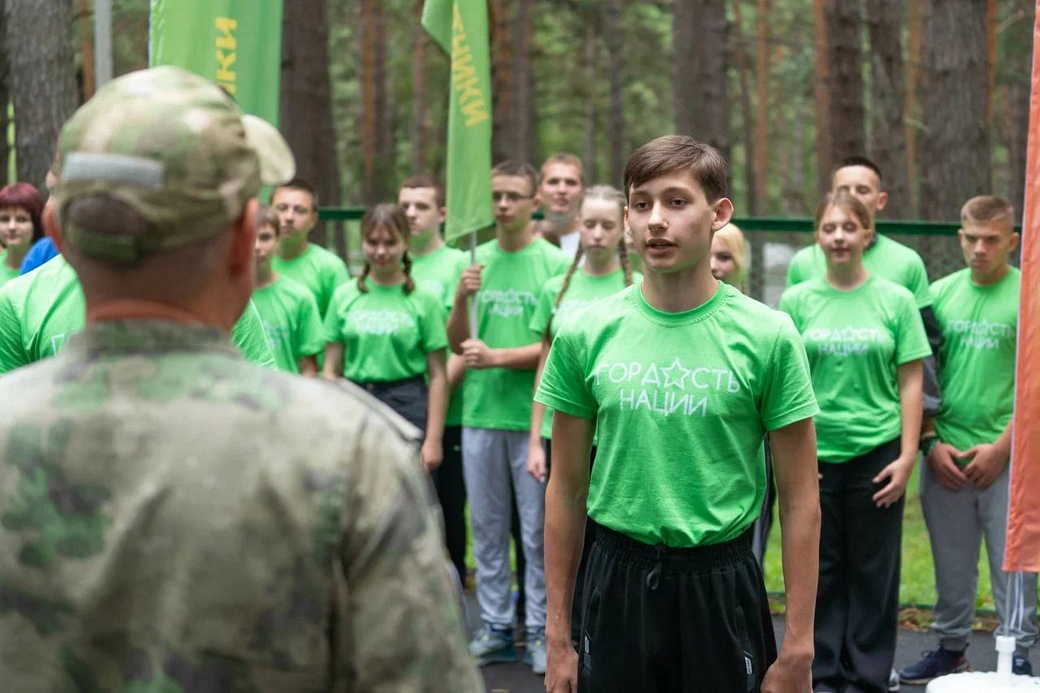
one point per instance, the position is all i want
(388, 336)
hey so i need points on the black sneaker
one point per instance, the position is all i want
(1021, 666)
(934, 664)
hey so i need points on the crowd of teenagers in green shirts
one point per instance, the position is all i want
(632, 430)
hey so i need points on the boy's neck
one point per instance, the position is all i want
(424, 244)
(677, 292)
(265, 275)
(512, 241)
(292, 249)
(559, 225)
(991, 278)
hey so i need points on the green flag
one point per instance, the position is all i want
(236, 43)
(460, 27)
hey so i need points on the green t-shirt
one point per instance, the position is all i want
(318, 269)
(887, 259)
(6, 273)
(386, 333)
(438, 273)
(681, 402)
(511, 281)
(855, 341)
(39, 311)
(584, 290)
(979, 325)
(291, 321)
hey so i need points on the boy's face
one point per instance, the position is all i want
(514, 201)
(420, 206)
(296, 212)
(266, 242)
(561, 188)
(672, 222)
(863, 184)
(987, 245)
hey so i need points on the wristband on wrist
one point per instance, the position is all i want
(928, 443)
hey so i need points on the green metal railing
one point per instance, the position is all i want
(796, 225)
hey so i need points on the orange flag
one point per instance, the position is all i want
(1023, 537)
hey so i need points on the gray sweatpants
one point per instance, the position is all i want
(957, 521)
(494, 463)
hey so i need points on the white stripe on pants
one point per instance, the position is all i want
(957, 521)
(494, 462)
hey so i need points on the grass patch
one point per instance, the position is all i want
(917, 580)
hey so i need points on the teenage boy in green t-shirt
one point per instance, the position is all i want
(501, 355)
(964, 483)
(681, 378)
(437, 268)
(287, 308)
(321, 271)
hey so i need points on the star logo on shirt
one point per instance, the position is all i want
(675, 374)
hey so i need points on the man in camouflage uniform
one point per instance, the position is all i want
(173, 518)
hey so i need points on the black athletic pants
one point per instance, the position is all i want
(658, 620)
(857, 602)
(451, 492)
(408, 397)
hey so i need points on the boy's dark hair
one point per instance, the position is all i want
(673, 153)
(983, 209)
(858, 160)
(425, 180)
(510, 167)
(298, 184)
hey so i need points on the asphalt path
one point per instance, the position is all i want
(517, 678)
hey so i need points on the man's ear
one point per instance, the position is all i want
(882, 200)
(243, 239)
(51, 226)
(723, 209)
(442, 215)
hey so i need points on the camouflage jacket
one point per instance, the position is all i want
(173, 518)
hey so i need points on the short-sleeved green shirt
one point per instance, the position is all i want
(511, 281)
(856, 340)
(887, 259)
(291, 321)
(318, 269)
(386, 333)
(979, 325)
(39, 311)
(438, 273)
(6, 273)
(681, 402)
(583, 291)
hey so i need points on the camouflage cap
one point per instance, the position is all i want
(167, 143)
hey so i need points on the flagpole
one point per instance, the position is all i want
(473, 299)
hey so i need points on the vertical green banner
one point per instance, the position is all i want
(460, 27)
(236, 43)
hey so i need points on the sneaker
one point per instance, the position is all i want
(534, 652)
(493, 644)
(1021, 666)
(893, 681)
(933, 664)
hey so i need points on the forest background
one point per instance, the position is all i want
(935, 91)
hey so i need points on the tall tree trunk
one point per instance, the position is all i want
(420, 134)
(503, 82)
(991, 58)
(38, 40)
(914, 46)
(306, 113)
(761, 150)
(616, 114)
(846, 78)
(747, 114)
(956, 139)
(590, 56)
(5, 100)
(85, 22)
(1017, 45)
(700, 35)
(888, 146)
(375, 107)
(822, 81)
(523, 76)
